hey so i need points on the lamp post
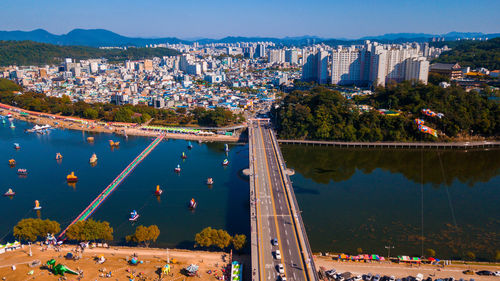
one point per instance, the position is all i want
(389, 250)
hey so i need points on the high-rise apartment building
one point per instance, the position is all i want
(315, 67)
(292, 57)
(276, 56)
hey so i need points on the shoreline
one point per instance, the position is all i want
(117, 257)
(93, 126)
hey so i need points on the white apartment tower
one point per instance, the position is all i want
(315, 67)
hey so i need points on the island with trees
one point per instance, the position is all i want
(324, 114)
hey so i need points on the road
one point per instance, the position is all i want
(273, 211)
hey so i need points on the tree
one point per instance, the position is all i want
(90, 230)
(213, 237)
(470, 255)
(430, 252)
(144, 234)
(90, 113)
(359, 250)
(32, 229)
(239, 241)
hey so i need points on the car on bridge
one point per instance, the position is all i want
(274, 242)
(277, 254)
(281, 269)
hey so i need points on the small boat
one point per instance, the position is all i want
(9, 193)
(12, 125)
(177, 169)
(71, 177)
(183, 156)
(133, 216)
(226, 148)
(114, 143)
(192, 204)
(22, 172)
(12, 162)
(158, 191)
(210, 181)
(17, 146)
(90, 139)
(225, 162)
(58, 156)
(93, 159)
(3, 121)
(190, 145)
(37, 205)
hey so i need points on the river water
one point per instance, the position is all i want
(413, 200)
(225, 205)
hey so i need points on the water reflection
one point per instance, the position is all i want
(323, 165)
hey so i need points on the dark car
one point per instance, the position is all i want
(485, 272)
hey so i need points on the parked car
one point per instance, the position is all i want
(274, 241)
(468, 272)
(485, 272)
(281, 269)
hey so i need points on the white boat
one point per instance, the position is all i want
(133, 216)
(38, 128)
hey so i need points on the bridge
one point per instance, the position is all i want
(92, 207)
(274, 213)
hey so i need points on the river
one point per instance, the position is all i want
(352, 199)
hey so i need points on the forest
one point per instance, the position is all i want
(324, 114)
(109, 112)
(33, 53)
(473, 53)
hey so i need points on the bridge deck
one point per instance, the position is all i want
(275, 213)
(92, 207)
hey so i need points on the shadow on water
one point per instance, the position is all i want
(440, 167)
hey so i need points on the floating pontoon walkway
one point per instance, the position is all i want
(114, 184)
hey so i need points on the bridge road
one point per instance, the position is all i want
(273, 211)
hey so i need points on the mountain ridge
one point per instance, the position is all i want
(106, 38)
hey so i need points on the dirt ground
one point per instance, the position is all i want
(401, 270)
(116, 262)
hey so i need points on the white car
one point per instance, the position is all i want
(281, 269)
(277, 254)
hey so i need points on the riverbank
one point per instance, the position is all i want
(72, 123)
(154, 259)
(150, 261)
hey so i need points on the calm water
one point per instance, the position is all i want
(350, 198)
(225, 205)
(372, 198)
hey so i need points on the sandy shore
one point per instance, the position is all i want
(116, 262)
(98, 128)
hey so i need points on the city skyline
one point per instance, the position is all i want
(198, 19)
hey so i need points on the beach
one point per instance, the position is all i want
(150, 261)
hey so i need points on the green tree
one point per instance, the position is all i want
(90, 113)
(90, 230)
(145, 235)
(239, 241)
(359, 250)
(33, 229)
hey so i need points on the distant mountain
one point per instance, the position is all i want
(103, 38)
(85, 37)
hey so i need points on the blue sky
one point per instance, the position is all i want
(277, 18)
